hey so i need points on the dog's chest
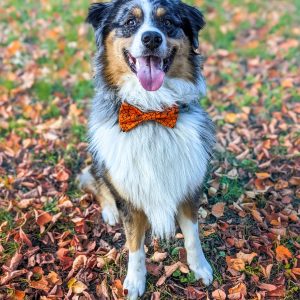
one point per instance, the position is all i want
(155, 167)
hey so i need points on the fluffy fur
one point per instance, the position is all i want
(150, 173)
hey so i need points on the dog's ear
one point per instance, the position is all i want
(193, 22)
(98, 14)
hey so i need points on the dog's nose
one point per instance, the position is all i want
(152, 39)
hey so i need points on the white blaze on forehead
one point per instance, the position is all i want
(137, 45)
(147, 9)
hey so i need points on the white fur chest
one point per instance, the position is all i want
(155, 167)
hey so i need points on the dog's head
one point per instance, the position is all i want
(149, 39)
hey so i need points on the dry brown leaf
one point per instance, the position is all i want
(159, 256)
(219, 295)
(155, 296)
(267, 287)
(279, 292)
(263, 176)
(247, 258)
(54, 278)
(41, 284)
(239, 288)
(236, 264)
(257, 216)
(42, 217)
(218, 209)
(169, 270)
(22, 237)
(117, 288)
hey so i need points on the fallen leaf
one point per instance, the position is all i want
(42, 218)
(267, 287)
(54, 278)
(18, 295)
(236, 264)
(239, 288)
(77, 287)
(159, 256)
(230, 118)
(247, 258)
(194, 294)
(117, 288)
(263, 176)
(283, 253)
(257, 216)
(218, 209)
(155, 296)
(219, 295)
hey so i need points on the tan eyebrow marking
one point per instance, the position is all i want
(137, 12)
(160, 12)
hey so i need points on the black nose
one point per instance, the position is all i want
(152, 39)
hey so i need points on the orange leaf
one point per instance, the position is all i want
(283, 253)
(13, 48)
(117, 287)
(218, 209)
(22, 237)
(54, 278)
(41, 284)
(230, 118)
(239, 288)
(257, 216)
(296, 271)
(287, 83)
(18, 295)
(42, 217)
(263, 176)
(61, 175)
(235, 263)
(281, 184)
(219, 295)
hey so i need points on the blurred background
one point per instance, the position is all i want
(251, 197)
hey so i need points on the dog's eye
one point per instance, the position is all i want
(130, 22)
(168, 23)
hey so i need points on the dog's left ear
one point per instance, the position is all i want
(193, 22)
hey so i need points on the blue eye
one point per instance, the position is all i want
(131, 22)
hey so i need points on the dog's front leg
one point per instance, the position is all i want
(188, 222)
(135, 224)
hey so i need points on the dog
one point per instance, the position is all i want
(150, 140)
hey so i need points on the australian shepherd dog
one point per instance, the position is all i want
(150, 140)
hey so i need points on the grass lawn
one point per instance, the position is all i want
(53, 243)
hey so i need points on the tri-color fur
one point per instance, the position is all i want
(150, 176)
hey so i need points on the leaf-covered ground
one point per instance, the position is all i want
(53, 243)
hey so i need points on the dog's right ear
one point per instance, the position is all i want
(98, 14)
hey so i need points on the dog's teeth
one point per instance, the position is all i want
(137, 63)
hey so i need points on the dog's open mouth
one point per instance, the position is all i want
(150, 70)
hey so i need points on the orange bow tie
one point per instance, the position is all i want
(130, 117)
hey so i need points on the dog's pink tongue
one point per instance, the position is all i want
(149, 73)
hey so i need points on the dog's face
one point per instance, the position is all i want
(150, 39)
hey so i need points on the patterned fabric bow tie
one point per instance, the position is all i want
(130, 117)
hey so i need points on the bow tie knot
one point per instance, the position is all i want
(130, 117)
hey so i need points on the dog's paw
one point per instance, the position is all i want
(135, 285)
(203, 271)
(110, 215)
